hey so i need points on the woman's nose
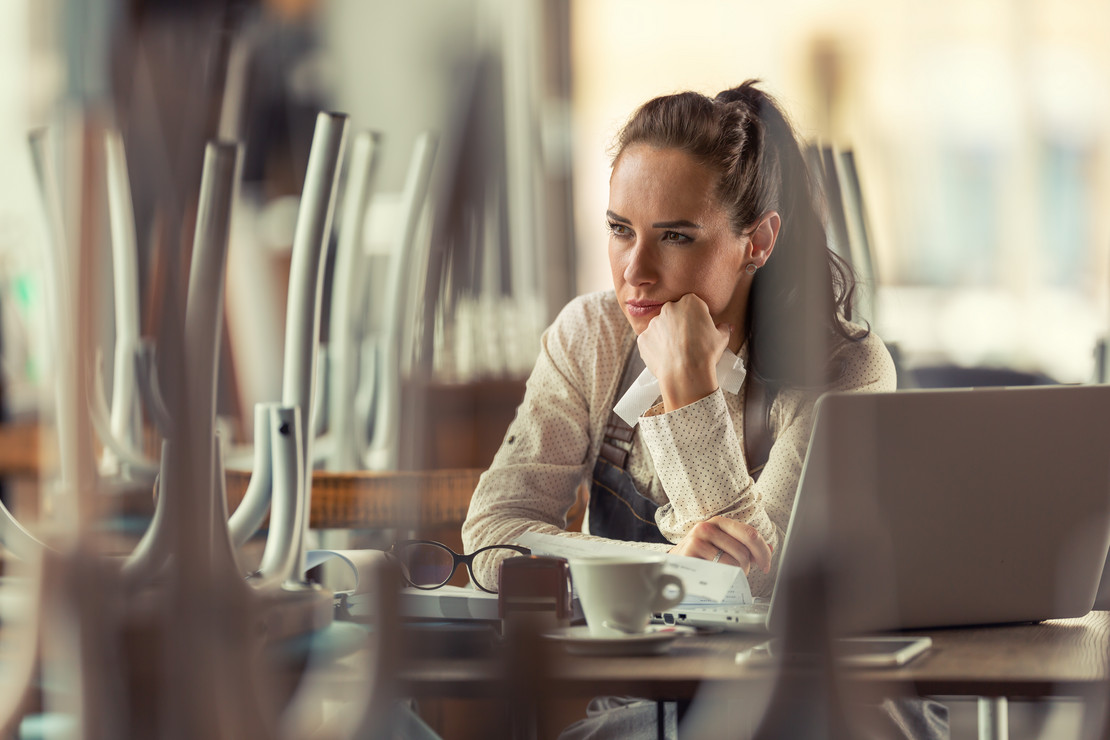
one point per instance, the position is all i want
(640, 268)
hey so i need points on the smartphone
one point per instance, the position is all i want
(877, 652)
(856, 652)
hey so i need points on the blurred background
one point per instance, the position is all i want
(979, 131)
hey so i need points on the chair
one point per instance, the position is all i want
(365, 362)
(835, 172)
(126, 420)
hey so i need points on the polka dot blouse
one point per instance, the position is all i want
(690, 461)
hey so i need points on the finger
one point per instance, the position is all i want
(749, 537)
(701, 542)
(724, 332)
(733, 552)
(744, 561)
(706, 540)
(693, 300)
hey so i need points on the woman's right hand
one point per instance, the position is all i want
(681, 347)
(739, 544)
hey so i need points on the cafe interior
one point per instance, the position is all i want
(274, 275)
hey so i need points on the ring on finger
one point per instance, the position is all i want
(717, 557)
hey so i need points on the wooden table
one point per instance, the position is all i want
(21, 449)
(1056, 658)
(356, 499)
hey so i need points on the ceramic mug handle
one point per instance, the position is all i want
(663, 582)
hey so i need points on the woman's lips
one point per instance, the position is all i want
(642, 308)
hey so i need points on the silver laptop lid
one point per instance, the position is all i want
(953, 507)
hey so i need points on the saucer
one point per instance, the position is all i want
(656, 639)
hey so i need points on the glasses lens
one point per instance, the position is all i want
(426, 565)
(487, 566)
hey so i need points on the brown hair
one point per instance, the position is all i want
(802, 296)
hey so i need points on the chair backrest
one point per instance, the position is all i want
(377, 405)
(345, 326)
(835, 172)
(126, 421)
(859, 232)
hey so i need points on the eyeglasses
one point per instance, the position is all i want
(428, 565)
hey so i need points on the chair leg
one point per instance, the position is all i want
(994, 721)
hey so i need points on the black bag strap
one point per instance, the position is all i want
(757, 424)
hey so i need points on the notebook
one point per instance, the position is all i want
(952, 507)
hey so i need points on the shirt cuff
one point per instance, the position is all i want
(702, 411)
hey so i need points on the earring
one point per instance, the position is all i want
(751, 268)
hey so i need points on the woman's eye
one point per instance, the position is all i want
(674, 236)
(618, 229)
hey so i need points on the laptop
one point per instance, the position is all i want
(734, 613)
(938, 508)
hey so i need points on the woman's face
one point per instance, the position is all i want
(669, 236)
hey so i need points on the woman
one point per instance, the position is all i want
(717, 251)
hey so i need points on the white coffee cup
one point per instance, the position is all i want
(619, 594)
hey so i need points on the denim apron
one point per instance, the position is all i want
(617, 510)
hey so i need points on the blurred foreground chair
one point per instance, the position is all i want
(215, 644)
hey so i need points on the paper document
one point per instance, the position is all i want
(704, 581)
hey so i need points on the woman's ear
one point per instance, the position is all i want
(763, 237)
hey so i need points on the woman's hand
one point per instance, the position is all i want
(739, 544)
(681, 347)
